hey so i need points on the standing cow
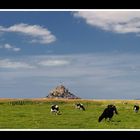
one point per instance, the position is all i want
(80, 106)
(108, 113)
(136, 108)
(55, 109)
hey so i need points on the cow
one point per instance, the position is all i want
(55, 109)
(136, 108)
(108, 113)
(80, 106)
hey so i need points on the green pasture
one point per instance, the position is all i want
(24, 114)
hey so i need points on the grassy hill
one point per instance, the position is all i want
(35, 114)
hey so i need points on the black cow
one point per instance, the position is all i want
(136, 108)
(108, 113)
(55, 109)
(80, 106)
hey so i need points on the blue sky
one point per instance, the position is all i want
(95, 53)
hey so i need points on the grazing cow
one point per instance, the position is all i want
(136, 108)
(80, 106)
(55, 109)
(108, 113)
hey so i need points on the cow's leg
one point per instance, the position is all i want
(107, 119)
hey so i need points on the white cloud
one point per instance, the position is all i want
(16, 49)
(97, 75)
(9, 47)
(115, 21)
(53, 62)
(7, 63)
(38, 33)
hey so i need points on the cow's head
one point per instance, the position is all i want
(113, 107)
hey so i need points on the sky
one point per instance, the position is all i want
(95, 54)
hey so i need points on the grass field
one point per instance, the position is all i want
(35, 114)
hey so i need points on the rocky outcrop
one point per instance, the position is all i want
(61, 92)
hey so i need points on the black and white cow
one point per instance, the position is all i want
(136, 108)
(108, 113)
(80, 106)
(55, 109)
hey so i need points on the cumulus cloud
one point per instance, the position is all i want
(38, 33)
(115, 21)
(7, 63)
(9, 47)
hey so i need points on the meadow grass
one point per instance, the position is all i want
(35, 114)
